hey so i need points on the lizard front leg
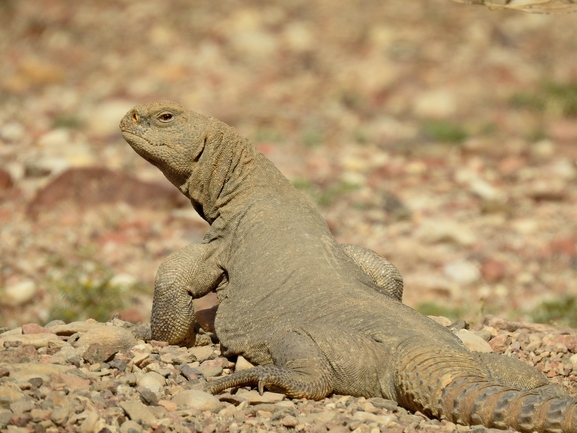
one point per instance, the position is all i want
(383, 273)
(186, 274)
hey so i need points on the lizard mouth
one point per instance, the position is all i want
(139, 140)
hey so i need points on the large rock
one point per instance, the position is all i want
(196, 399)
(138, 412)
(473, 342)
(36, 340)
(25, 371)
(89, 186)
(113, 336)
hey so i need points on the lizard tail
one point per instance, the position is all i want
(451, 384)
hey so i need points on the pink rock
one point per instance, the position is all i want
(569, 341)
(493, 270)
(566, 246)
(500, 342)
(33, 328)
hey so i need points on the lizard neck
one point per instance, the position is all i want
(222, 174)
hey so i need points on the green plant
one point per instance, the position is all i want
(433, 309)
(87, 291)
(324, 196)
(444, 131)
(560, 311)
(553, 99)
(66, 121)
(267, 135)
(312, 137)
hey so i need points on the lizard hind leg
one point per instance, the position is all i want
(300, 369)
(317, 359)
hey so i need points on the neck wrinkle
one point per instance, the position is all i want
(224, 166)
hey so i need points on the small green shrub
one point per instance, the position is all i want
(269, 135)
(67, 121)
(433, 309)
(553, 99)
(444, 131)
(87, 291)
(559, 312)
(312, 137)
(324, 196)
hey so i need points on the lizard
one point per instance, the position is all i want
(316, 317)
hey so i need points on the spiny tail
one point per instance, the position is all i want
(453, 384)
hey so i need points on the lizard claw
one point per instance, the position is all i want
(260, 387)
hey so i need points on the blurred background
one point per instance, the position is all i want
(443, 136)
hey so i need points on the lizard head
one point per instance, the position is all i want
(203, 157)
(168, 136)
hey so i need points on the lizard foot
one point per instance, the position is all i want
(294, 384)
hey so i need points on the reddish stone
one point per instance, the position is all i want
(89, 186)
(265, 148)
(569, 341)
(563, 130)
(511, 165)
(5, 180)
(566, 246)
(69, 381)
(500, 343)
(134, 315)
(33, 328)
(206, 317)
(493, 270)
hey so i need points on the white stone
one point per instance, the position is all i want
(36, 340)
(196, 399)
(242, 364)
(138, 412)
(485, 190)
(201, 353)
(130, 426)
(11, 392)
(473, 342)
(19, 293)
(25, 371)
(462, 272)
(152, 380)
(123, 281)
(432, 231)
(380, 419)
(436, 103)
(12, 131)
(55, 138)
(255, 398)
(564, 168)
(441, 320)
(114, 336)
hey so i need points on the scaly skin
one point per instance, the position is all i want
(317, 317)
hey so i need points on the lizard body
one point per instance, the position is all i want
(315, 316)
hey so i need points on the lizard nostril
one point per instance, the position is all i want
(135, 117)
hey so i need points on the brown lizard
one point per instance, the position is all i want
(317, 317)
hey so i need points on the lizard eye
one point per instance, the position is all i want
(165, 117)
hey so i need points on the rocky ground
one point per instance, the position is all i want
(440, 135)
(95, 377)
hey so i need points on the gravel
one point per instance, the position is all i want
(149, 387)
